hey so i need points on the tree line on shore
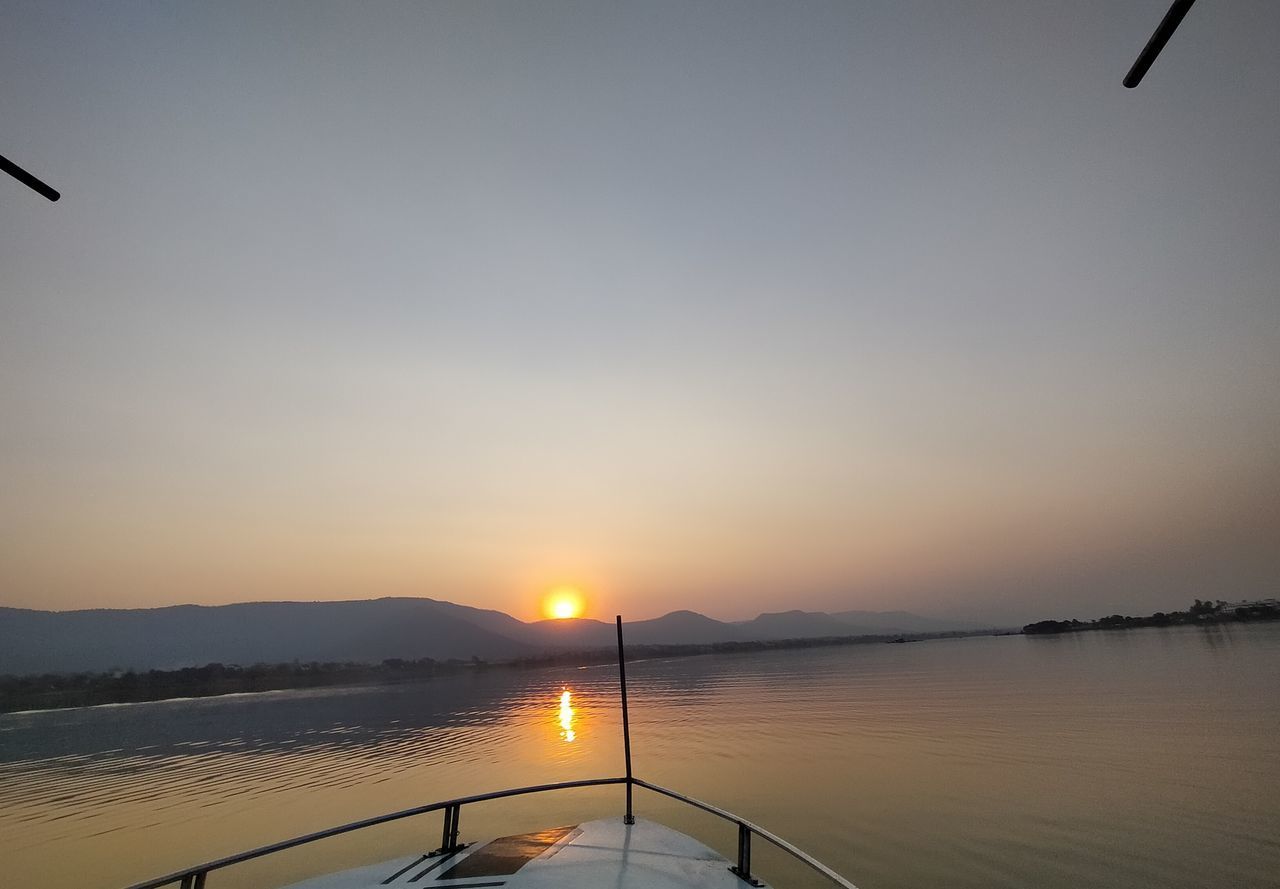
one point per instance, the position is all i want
(59, 690)
(1199, 613)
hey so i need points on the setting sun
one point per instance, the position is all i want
(563, 603)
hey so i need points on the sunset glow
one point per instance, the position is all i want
(563, 603)
(566, 716)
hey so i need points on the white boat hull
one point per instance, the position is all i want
(591, 855)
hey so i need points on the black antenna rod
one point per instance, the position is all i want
(626, 725)
(27, 179)
(1163, 32)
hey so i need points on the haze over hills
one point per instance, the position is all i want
(800, 625)
(371, 631)
(903, 622)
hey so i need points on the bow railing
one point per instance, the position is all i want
(195, 877)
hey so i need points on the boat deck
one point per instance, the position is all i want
(594, 854)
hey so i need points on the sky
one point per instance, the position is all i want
(728, 306)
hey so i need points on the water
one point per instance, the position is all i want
(1127, 759)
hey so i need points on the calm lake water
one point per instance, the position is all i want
(1126, 759)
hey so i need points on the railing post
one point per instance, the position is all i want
(186, 882)
(449, 837)
(743, 868)
(200, 879)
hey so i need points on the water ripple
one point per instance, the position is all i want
(989, 762)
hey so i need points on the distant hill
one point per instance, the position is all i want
(370, 631)
(254, 632)
(904, 622)
(799, 625)
(676, 628)
(682, 628)
(566, 635)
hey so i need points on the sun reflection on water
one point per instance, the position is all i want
(566, 716)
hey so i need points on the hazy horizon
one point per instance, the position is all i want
(529, 615)
(592, 614)
(734, 307)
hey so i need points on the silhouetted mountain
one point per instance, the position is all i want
(903, 622)
(371, 631)
(270, 632)
(798, 625)
(682, 628)
(486, 618)
(565, 635)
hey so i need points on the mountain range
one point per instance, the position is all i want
(373, 630)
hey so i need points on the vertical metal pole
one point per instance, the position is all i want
(743, 868)
(200, 879)
(626, 724)
(446, 843)
(449, 837)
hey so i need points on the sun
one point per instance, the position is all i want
(563, 603)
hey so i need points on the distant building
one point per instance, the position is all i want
(1255, 605)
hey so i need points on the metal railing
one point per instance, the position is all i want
(194, 877)
(745, 830)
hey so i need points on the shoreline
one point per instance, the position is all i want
(44, 693)
(1201, 614)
